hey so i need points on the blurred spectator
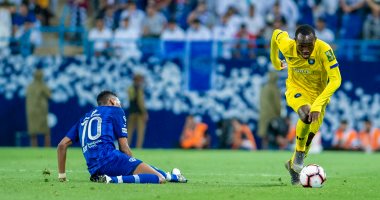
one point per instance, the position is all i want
(135, 15)
(37, 96)
(322, 32)
(279, 23)
(328, 9)
(270, 106)
(108, 15)
(254, 21)
(19, 18)
(173, 32)
(194, 134)
(198, 32)
(41, 8)
(234, 20)
(369, 137)
(371, 28)
(138, 115)
(351, 19)
(153, 23)
(5, 25)
(277, 133)
(221, 6)
(202, 13)
(245, 43)
(224, 36)
(125, 39)
(224, 131)
(287, 9)
(100, 38)
(345, 138)
(78, 13)
(29, 37)
(242, 136)
(305, 8)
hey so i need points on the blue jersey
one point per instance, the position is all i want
(96, 132)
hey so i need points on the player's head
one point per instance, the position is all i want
(108, 98)
(305, 39)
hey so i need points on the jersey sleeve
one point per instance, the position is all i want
(119, 122)
(73, 133)
(332, 68)
(280, 42)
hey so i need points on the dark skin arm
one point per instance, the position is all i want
(306, 116)
(61, 154)
(124, 147)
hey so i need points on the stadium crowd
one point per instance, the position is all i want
(222, 20)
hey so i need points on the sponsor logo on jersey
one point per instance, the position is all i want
(297, 95)
(302, 71)
(132, 159)
(330, 55)
(311, 61)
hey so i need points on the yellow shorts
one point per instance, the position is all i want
(297, 98)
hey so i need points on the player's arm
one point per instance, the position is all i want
(71, 136)
(279, 42)
(332, 68)
(119, 122)
(124, 147)
(61, 154)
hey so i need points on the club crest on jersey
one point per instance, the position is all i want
(311, 61)
(297, 95)
(330, 55)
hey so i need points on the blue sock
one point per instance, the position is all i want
(140, 178)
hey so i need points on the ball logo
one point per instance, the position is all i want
(311, 61)
(297, 95)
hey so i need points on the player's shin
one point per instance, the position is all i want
(302, 131)
(308, 143)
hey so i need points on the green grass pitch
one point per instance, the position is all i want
(212, 175)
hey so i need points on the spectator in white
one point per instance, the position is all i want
(262, 7)
(28, 34)
(100, 36)
(224, 36)
(286, 8)
(125, 41)
(173, 32)
(234, 20)
(203, 14)
(135, 15)
(197, 31)
(108, 15)
(153, 23)
(371, 28)
(5, 25)
(222, 6)
(322, 32)
(279, 23)
(255, 22)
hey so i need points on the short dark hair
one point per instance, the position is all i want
(305, 29)
(104, 96)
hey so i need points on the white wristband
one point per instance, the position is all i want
(61, 175)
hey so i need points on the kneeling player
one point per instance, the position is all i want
(96, 132)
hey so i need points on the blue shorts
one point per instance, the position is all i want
(120, 165)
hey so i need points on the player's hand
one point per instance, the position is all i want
(284, 64)
(313, 116)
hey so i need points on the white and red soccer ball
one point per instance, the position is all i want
(312, 176)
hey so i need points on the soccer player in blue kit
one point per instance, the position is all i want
(96, 132)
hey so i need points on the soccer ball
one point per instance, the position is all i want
(312, 176)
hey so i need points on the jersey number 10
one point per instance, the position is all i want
(87, 128)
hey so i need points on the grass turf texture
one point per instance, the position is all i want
(211, 174)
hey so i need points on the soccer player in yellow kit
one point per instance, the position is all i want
(313, 76)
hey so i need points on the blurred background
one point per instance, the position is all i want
(189, 73)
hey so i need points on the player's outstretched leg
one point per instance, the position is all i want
(174, 176)
(295, 177)
(138, 178)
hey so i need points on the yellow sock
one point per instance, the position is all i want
(302, 131)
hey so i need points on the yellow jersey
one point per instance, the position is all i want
(318, 76)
